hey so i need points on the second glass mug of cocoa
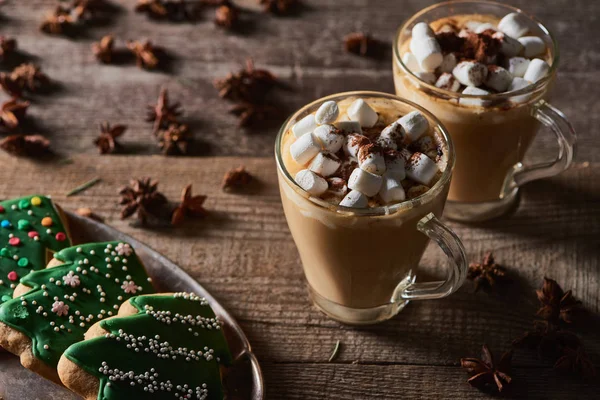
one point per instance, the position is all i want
(360, 263)
(490, 142)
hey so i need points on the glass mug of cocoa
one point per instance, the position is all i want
(485, 70)
(361, 234)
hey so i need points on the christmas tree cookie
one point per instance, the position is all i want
(31, 228)
(54, 307)
(164, 346)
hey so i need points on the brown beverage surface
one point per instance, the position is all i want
(488, 141)
(355, 261)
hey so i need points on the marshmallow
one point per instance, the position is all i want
(305, 148)
(498, 78)
(391, 135)
(536, 70)
(510, 47)
(517, 84)
(311, 182)
(337, 187)
(517, 66)
(325, 164)
(422, 30)
(353, 142)
(474, 101)
(327, 113)
(472, 25)
(447, 81)
(421, 168)
(414, 124)
(427, 77)
(360, 111)
(514, 25)
(470, 73)
(410, 61)
(484, 27)
(391, 189)
(427, 146)
(395, 164)
(355, 199)
(330, 137)
(427, 51)
(370, 159)
(365, 182)
(534, 46)
(304, 126)
(448, 63)
(349, 127)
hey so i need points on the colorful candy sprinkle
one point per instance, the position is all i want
(23, 262)
(60, 236)
(6, 298)
(14, 241)
(5, 223)
(2, 209)
(32, 234)
(36, 201)
(23, 204)
(23, 224)
(4, 252)
(12, 275)
(47, 221)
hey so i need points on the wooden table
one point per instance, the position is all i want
(243, 252)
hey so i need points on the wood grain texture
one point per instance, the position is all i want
(304, 50)
(244, 254)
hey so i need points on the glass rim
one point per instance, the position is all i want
(539, 85)
(370, 211)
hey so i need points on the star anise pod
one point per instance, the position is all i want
(174, 139)
(142, 197)
(10, 86)
(226, 16)
(487, 273)
(362, 44)
(486, 375)
(190, 206)
(154, 8)
(556, 305)
(575, 361)
(163, 112)
(59, 21)
(547, 339)
(12, 113)
(251, 114)
(7, 47)
(26, 145)
(250, 84)
(236, 178)
(103, 50)
(30, 77)
(106, 142)
(145, 53)
(278, 6)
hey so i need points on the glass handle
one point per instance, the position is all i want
(457, 270)
(558, 123)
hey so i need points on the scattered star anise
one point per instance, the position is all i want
(575, 361)
(487, 273)
(30, 77)
(154, 8)
(145, 53)
(226, 16)
(547, 339)
(556, 305)
(12, 113)
(141, 197)
(176, 10)
(163, 112)
(25, 145)
(250, 114)
(59, 21)
(278, 6)
(362, 44)
(7, 47)
(103, 50)
(249, 84)
(10, 86)
(106, 142)
(190, 206)
(236, 178)
(486, 375)
(174, 139)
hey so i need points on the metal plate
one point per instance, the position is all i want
(243, 380)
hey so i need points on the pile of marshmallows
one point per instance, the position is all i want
(383, 162)
(521, 68)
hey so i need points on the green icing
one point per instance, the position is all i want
(93, 282)
(18, 217)
(176, 339)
